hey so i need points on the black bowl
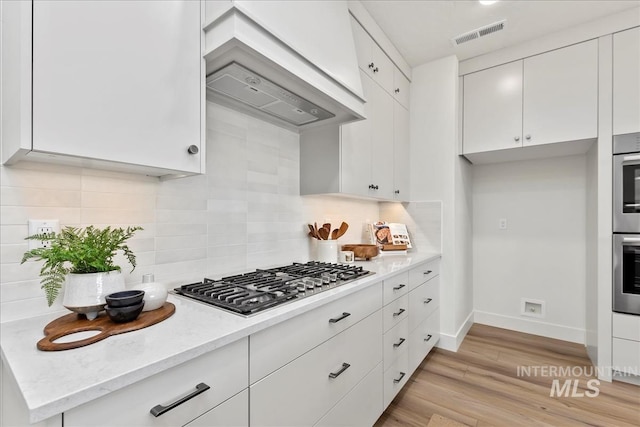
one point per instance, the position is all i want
(124, 314)
(124, 298)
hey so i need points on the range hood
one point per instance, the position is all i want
(293, 78)
(250, 88)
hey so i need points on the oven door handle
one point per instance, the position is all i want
(635, 240)
(629, 159)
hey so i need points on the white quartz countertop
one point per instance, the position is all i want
(52, 382)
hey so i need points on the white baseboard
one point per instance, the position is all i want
(452, 342)
(529, 326)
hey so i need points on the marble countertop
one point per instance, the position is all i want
(54, 382)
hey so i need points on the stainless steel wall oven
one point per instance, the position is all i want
(626, 223)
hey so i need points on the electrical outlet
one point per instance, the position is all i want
(502, 223)
(41, 226)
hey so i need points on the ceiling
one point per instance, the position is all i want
(422, 29)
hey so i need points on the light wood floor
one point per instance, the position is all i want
(479, 386)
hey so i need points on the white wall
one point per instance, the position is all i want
(245, 212)
(542, 253)
(437, 173)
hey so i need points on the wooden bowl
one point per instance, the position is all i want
(365, 252)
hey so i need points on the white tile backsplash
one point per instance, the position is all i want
(245, 213)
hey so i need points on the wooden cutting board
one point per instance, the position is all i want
(72, 323)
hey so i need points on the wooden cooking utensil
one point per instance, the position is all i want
(324, 234)
(334, 234)
(343, 229)
(327, 226)
(315, 226)
(312, 231)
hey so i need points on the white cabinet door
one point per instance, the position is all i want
(364, 47)
(118, 81)
(361, 407)
(561, 95)
(626, 81)
(301, 392)
(422, 339)
(371, 59)
(231, 413)
(382, 143)
(355, 147)
(493, 109)
(382, 69)
(400, 88)
(401, 171)
(224, 370)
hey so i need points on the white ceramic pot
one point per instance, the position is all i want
(155, 294)
(327, 251)
(84, 293)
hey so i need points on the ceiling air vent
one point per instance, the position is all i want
(479, 32)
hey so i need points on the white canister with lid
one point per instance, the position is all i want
(155, 294)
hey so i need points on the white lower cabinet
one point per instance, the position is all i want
(626, 343)
(361, 407)
(276, 346)
(224, 371)
(301, 392)
(423, 338)
(395, 341)
(396, 376)
(231, 413)
(423, 301)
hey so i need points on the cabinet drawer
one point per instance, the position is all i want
(395, 341)
(231, 413)
(396, 377)
(313, 383)
(626, 326)
(361, 407)
(421, 274)
(394, 287)
(423, 339)
(274, 347)
(395, 312)
(626, 356)
(224, 370)
(423, 301)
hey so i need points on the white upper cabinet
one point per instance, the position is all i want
(366, 158)
(544, 99)
(401, 153)
(371, 59)
(561, 95)
(400, 88)
(626, 81)
(119, 83)
(493, 109)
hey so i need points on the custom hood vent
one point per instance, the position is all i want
(479, 32)
(295, 76)
(248, 87)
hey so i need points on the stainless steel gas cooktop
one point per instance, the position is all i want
(260, 290)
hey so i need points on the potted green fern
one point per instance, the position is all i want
(82, 259)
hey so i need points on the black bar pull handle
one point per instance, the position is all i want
(337, 319)
(345, 366)
(158, 410)
(428, 300)
(397, 380)
(427, 338)
(428, 272)
(397, 288)
(399, 312)
(399, 343)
